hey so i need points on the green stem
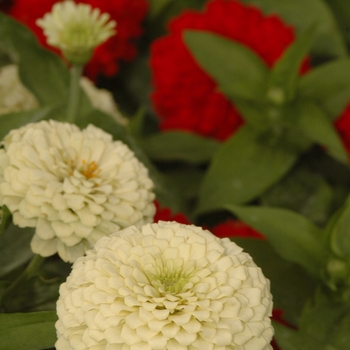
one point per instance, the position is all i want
(74, 92)
(30, 271)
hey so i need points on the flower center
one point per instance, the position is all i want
(170, 276)
(89, 170)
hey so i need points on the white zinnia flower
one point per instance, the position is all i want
(74, 186)
(164, 286)
(14, 97)
(76, 29)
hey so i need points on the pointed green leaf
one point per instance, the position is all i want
(284, 75)
(177, 145)
(40, 70)
(27, 331)
(238, 71)
(242, 169)
(316, 125)
(329, 86)
(304, 13)
(294, 237)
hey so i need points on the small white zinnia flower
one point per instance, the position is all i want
(14, 97)
(164, 286)
(74, 186)
(76, 29)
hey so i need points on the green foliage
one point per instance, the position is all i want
(329, 86)
(179, 146)
(14, 248)
(281, 90)
(239, 72)
(294, 237)
(242, 169)
(49, 83)
(324, 325)
(314, 123)
(303, 191)
(5, 219)
(19, 331)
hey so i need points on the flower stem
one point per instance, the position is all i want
(74, 92)
(20, 281)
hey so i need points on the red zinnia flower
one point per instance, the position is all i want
(185, 97)
(342, 124)
(127, 13)
(165, 214)
(234, 228)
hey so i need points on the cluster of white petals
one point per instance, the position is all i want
(14, 97)
(74, 186)
(76, 29)
(164, 286)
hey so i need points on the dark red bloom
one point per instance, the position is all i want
(165, 214)
(127, 13)
(234, 228)
(342, 124)
(184, 96)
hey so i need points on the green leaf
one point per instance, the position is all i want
(6, 219)
(329, 86)
(40, 70)
(324, 325)
(339, 232)
(238, 71)
(341, 11)
(179, 146)
(294, 237)
(242, 169)
(304, 191)
(314, 123)
(285, 74)
(16, 120)
(14, 248)
(27, 331)
(305, 13)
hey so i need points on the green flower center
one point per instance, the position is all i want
(170, 276)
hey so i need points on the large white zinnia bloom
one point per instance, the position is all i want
(74, 186)
(164, 286)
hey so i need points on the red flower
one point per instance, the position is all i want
(165, 214)
(127, 13)
(342, 124)
(234, 228)
(185, 97)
